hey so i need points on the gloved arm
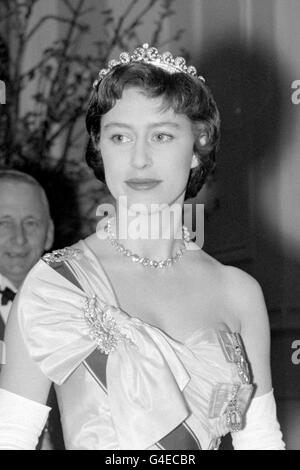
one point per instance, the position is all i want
(21, 421)
(262, 430)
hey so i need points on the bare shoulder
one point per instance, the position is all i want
(245, 295)
(235, 282)
(240, 286)
(241, 294)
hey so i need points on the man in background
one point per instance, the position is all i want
(26, 231)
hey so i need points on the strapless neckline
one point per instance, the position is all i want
(202, 331)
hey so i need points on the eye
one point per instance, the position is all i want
(31, 224)
(163, 137)
(120, 139)
(5, 224)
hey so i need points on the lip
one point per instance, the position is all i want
(142, 184)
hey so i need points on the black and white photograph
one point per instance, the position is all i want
(149, 227)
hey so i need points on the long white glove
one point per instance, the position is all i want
(262, 430)
(21, 421)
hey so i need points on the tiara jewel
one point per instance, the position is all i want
(150, 55)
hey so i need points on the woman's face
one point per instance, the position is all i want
(147, 152)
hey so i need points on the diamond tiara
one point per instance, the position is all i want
(150, 55)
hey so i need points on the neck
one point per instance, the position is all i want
(155, 234)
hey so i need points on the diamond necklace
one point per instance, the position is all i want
(141, 259)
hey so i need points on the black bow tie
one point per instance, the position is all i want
(8, 295)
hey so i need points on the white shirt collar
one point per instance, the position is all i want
(5, 309)
(4, 282)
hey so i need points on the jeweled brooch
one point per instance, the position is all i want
(103, 327)
(65, 254)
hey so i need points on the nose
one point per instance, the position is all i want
(19, 237)
(141, 157)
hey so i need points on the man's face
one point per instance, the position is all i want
(26, 230)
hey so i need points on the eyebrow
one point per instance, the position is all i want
(156, 124)
(10, 216)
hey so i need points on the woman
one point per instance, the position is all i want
(142, 334)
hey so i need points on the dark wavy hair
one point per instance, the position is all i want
(181, 92)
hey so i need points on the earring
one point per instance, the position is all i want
(203, 140)
(195, 161)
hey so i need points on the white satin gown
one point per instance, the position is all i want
(153, 382)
